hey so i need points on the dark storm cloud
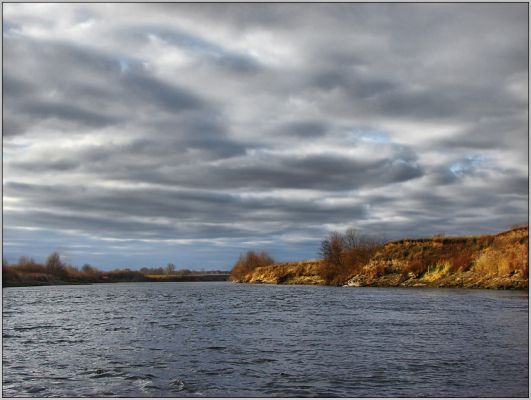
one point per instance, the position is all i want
(264, 171)
(200, 131)
(14, 87)
(371, 94)
(29, 103)
(67, 112)
(171, 98)
(255, 122)
(179, 206)
(57, 60)
(119, 91)
(485, 134)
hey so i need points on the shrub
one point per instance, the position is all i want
(55, 266)
(332, 248)
(124, 275)
(28, 265)
(9, 276)
(248, 262)
(344, 255)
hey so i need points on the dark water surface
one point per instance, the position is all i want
(217, 339)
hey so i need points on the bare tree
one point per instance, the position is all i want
(345, 254)
(55, 266)
(332, 248)
(170, 269)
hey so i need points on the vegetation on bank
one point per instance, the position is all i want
(55, 271)
(487, 261)
(248, 262)
(352, 259)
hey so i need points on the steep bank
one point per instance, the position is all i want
(490, 261)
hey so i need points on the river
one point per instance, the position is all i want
(219, 339)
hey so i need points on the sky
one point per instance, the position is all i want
(141, 134)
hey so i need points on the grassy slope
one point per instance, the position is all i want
(489, 261)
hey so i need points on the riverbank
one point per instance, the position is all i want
(20, 279)
(489, 262)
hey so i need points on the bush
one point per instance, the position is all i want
(248, 262)
(10, 277)
(124, 275)
(28, 265)
(344, 255)
(332, 248)
(55, 266)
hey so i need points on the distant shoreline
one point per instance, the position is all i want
(161, 279)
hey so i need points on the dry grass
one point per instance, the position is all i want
(478, 261)
(437, 272)
(303, 272)
(505, 261)
(247, 263)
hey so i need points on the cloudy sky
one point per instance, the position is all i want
(139, 134)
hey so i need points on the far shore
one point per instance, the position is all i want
(43, 279)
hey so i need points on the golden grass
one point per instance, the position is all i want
(437, 272)
(478, 261)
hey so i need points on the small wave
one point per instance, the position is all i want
(104, 375)
(145, 377)
(133, 378)
(215, 348)
(264, 360)
(48, 377)
(177, 384)
(118, 328)
(36, 389)
(170, 326)
(70, 341)
(29, 328)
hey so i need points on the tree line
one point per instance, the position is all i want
(56, 271)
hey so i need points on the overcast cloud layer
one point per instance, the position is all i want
(138, 134)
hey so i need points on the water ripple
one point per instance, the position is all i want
(211, 339)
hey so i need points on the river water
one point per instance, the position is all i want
(218, 339)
